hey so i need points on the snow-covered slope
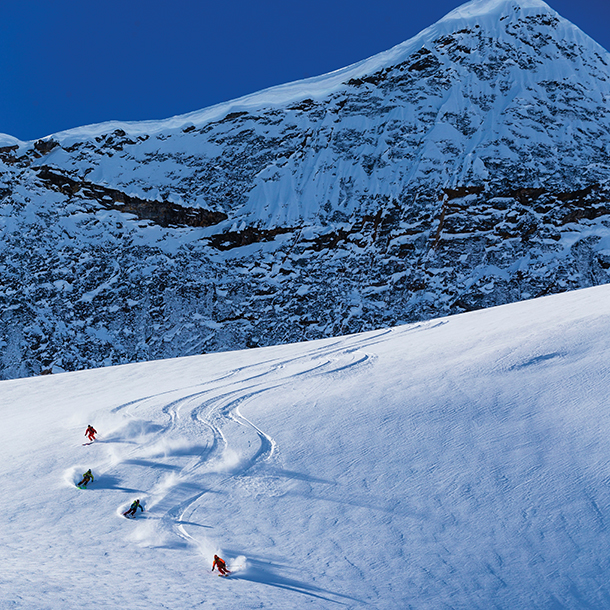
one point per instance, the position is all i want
(464, 168)
(457, 463)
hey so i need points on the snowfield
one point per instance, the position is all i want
(457, 463)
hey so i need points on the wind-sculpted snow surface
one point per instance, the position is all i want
(464, 168)
(460, 462)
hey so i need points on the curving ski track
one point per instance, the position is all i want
(175, 448)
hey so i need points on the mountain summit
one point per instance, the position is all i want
(464, 168)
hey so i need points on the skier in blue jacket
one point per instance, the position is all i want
(131, 511)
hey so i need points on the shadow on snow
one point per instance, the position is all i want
(111, 482)
(263, 573)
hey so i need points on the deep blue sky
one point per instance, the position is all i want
(68, 63)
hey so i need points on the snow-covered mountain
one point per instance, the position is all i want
(457, 463)
(464, 168)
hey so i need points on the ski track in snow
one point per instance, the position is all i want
(458, 463)
(205, 442)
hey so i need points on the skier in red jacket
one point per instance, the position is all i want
(90, 433)
(222, 566)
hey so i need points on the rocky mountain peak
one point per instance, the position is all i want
(464, 168)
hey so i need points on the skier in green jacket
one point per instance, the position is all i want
(88, 476)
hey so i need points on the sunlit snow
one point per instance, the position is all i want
(458, 463)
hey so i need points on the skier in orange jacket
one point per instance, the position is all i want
(222, 566)
(90, 433)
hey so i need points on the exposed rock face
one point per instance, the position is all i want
(163, 213)
(466, 168)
